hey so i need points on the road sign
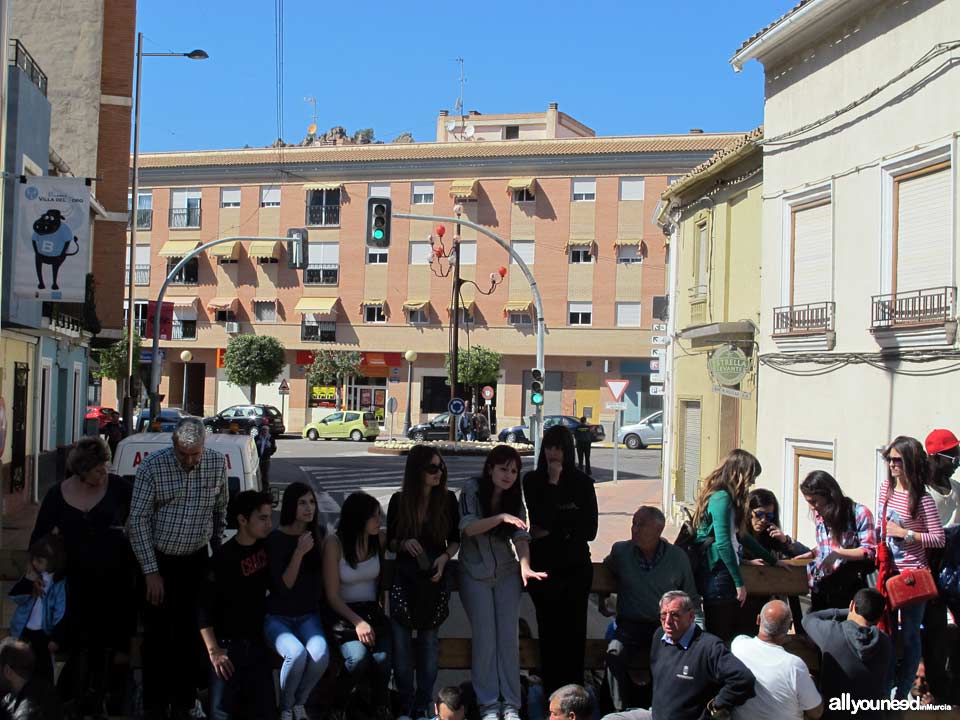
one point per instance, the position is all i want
(658, 352)
(616, 406)
(487, 392)
(659, 339)
(730, 392)
(654, 366)
(456, 406)
(284, 388)
(657, 378)
(656, 389)
(392, 405)
(659, 327)
(617, 388)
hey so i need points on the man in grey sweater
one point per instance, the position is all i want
(856, 655)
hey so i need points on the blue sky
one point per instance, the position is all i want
(625, 67)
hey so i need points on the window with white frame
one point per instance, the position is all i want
(522, 195)
(269, 196)
(377, 256)
(185, 207)
(580, 313)
(378, 190)
(525, 249)
(144, 211)
(628, 314)
(418, 316)
(631, 188)
(581, 256)
(374, 314)
(811, 250)
(520, 319)
(628, 254)
(584, 189)
(466, 316)
(923, 228)
(323, 264)
(468, 253)
(264, 311)
(230, 197)
(420, 253)
(423, 193)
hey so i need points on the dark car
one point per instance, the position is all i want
(521, 433)
(169, 417)
(436, 429)
(248, 419)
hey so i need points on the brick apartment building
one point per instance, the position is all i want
(577, 207)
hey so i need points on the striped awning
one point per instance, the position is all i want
(372, 301)
(517, 306)
(223, 303)
(463, 188)
(226, 250)
(178, 248)
(315, 305)
(415, 303)
(265, 249)
(467, 294)
(323, 186)
(183, 301)
(521, 183)
(464, 303)
(264, 300)
(580, 242)
(628, 241)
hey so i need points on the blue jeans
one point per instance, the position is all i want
(305, 654)
(911, 618)
(361, 661)
(720, 607)
(427, 649)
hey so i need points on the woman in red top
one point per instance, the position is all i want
(913, 525)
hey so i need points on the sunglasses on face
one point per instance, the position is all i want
(761, 515)
(433, 468)
(895, 461)
(954, 460)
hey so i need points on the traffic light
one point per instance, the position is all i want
(536, 386)
(297, 248)
(378, 222)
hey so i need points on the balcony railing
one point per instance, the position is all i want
(323, 215)
(185, 217)
(23, 60)
(141, 326)
(930, 306)
(322, 274)
(318, 332)
(803, 319)
(144, 219)
(141, 274)
(184, 330)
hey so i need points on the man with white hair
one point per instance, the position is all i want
(784, 688)
(179, 508)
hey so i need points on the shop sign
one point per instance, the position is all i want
(728, 365)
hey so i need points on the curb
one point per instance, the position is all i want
(445, 451)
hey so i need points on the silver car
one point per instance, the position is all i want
(649, 431)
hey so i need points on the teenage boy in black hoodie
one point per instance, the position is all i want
(231, 612)
(856, 654)
(695, 676)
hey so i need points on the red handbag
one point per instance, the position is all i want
(909, 587)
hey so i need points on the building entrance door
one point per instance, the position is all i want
(18, 435)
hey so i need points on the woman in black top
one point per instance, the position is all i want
(89, 511)
(293, 626)
(423, 529)
(562, 505)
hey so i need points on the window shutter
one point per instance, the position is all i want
(230, 196)
(270, 194)
(584, 185)
(581, 307)
(691, 450)
(142, 256)
(631, 188)
(525, 249)
(468, 253)
(628, 314)
(324, 253)
(420, 253)
(924, 232)
(178, 199)
(379, 190)
(812, 254)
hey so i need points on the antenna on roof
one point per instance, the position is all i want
(458, 106)
(313, 125)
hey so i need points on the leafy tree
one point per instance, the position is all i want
(333, 366)
(253, 360)
(476, 366)
(113, 359)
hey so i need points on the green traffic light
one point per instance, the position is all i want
(536, 399)
(378, 234)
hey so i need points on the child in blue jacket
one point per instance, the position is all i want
(41, 599)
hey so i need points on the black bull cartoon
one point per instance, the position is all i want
(51, 240)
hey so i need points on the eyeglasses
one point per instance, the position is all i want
(760, 515)
(954, 459)
(895, 461)
(672, 615)
(433, 468)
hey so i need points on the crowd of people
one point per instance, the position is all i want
(687, 640)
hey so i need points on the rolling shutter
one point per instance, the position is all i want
(691, 450)
(923, 238)
(812, 254)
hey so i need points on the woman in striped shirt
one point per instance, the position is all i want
(913, 525)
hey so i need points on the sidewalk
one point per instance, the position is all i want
(616, 504)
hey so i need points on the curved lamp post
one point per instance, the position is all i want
(411, 358)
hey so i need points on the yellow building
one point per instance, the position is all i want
(713, 218)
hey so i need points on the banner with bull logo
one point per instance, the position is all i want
(52, 238)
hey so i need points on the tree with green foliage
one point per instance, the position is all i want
(334, 366)
(476, 366)
(113, 359)
(253, 360)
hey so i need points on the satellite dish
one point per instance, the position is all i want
(469, 131)
(451, 126)
(312, 130)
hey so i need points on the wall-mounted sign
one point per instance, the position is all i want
(728, 365)
(659, 340)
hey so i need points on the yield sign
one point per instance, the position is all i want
(617, 388)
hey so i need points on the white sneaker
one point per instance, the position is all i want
(510, 713)
(299, 712)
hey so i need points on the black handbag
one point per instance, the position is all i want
(416, 601)
(343, 631)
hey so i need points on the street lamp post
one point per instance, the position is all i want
(186, 356)
(411, 357)
(135, 206)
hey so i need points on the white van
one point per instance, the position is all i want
(243, 463)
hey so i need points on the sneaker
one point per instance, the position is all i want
(510, 713)
(299, 712)
(286, 715)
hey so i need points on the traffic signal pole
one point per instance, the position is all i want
(537, 302)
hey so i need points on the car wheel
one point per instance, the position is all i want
(356, 436)
(313, 434)
(511, 437)
(419, 436)
(633, 442)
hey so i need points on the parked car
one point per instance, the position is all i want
(521, 433)
(247, 418)
(351, 424)
(648, 431)
(436, 429)
(103, 415)
(169, 417)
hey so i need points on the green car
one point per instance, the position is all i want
(351, 424)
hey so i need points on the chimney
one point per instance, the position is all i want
(444, 113)
(552, 106)
(474, 112)
(696, 131)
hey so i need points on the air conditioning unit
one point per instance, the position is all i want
(232, 327)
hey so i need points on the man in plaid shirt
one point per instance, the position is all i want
(178, 509)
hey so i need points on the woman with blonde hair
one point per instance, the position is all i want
(718, 518)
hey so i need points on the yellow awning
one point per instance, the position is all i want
(319, 305)
(223, 303)
(465, 304)
(463, 188)
(580, 242)
(323, 186)
(467, 294)
(517, 305)
(628, 241)
(521, 184)
(265, 249)
(178, 248)
(226, 250)
(415, 303)
(183, 301)
(372, 301)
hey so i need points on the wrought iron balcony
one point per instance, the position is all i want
(321, 274)
(141, 274)
(323, 215)
(185, 217)
(930, 306)
(22, 59)
(140, 324)
(144, 218)
(318, 331)
(805, 319)
(184, 330)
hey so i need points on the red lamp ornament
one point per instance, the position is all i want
(502, 271)
(441, 231)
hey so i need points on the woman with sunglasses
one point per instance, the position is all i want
(846, 543)
(423, 529)
(913, 526)
(563, 520)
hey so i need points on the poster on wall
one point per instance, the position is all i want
(52, 237)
